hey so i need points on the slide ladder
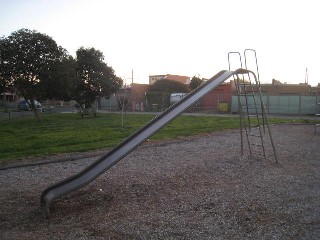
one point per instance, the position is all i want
(116, 154)
(253, 119)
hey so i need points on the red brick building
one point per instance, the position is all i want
(219, 100)
(138, 92)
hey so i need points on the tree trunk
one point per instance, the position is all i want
(36, 114)
(35, 110)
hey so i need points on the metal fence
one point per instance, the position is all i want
(303, 105)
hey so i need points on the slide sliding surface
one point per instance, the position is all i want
(132, 142)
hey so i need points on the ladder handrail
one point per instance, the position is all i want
(240, 59)
(243, 92)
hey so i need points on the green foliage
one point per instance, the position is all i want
(35, 67)
(95, 78)
(157, 101)
(59, 82)
(158, 96)
(195, 82)
(25, 56)
(169, 86)
(4, 78)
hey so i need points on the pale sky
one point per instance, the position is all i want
(183, 37)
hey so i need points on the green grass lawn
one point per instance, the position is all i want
(65, 133)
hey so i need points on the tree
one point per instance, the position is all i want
(59, 82)
(169, 86)
(124, 100)
(158, 96)
(195, 82)
(3, 83)
(4, 78)
(26, 56)
(3, 88)
(95, 78)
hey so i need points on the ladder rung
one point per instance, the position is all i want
(246, 94)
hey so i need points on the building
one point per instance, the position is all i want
(219, 99)
(177, 78)
(278, 97)
(282, 98)
(278, 88)
(138, 96)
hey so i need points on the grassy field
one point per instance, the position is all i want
(65, 133)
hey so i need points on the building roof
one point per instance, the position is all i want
(299, 89)
(178, 78)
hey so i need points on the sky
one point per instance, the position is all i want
(182, 37)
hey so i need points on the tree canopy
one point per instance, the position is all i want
(195, 82)
(169, 86)
(35, 67)
(4, 78)
(59, 82)
(95, 77)
(25, 58)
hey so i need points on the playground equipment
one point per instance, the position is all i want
(253, 119)
(108, 160)
(119, 152)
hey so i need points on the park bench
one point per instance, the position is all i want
(88, 111)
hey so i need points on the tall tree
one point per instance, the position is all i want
(2, 70)
(26, 55)
(95, 78)
(59, 82)
(195, 82)
(5, 77)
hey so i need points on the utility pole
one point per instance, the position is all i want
(306, 77)
(132, 76)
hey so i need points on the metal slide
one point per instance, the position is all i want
(132, 142)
